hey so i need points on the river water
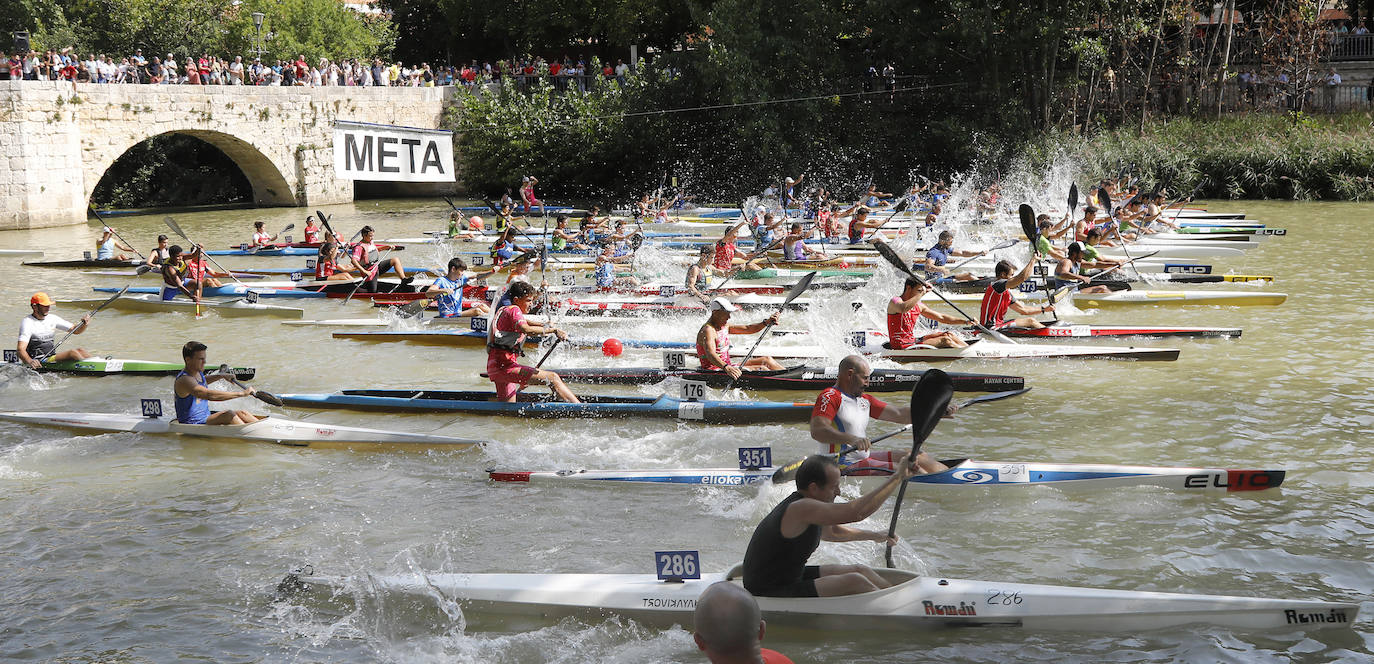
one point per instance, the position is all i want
(128, 548)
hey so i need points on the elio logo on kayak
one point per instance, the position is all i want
(1234, 480)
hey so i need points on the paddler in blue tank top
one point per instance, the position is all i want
(193, 395)
(605, 270)
(448, 291)
(107, 246)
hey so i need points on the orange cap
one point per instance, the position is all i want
(41, 299)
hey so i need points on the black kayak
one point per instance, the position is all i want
(794, 378)
(86, 263)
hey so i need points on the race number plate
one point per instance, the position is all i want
(151, 407)
(674, 360)
(11, 356)
(667, 291)
(568, 279)
(753, 458)
(677, 565)
(296, 276)
(86, 255)
(1013, 472)
(310, 264)
(251, 297)
(478, 324)
(691, 410)
(288, 239)
(479, 260)
(114, 366)
(693, 390)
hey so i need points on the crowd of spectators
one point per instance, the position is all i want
(564, 73)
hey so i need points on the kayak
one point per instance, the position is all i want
(20, 252)
(912, 601)
(472, 338)
(540, 405)
(1217, 297)
(794, 378)
(1121, 282)
(110, 366)
(284, 251)
(232, 309)
(1064, 329)
(790, 273)
(985, 349)
(962, 472)
(229, 290)
(276, 430)
(86, 263)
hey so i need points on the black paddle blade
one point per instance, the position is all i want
(143, 269)
(636, 241)
(269, 398)
(1028, 222)
(901, 205)
(1073, 197)
(494, 210)
(176, 228)
(929, 401)
(891, 256)
(799, 287)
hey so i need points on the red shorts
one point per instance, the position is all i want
(876, 463)
(509, 378)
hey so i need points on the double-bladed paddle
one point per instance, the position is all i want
(789, 472)
(115, 232)
(1032, 231)
(265, 397)
(176, 228)
(792, 294)
(929, 401)
(891, 256)
(497, 211)
(896, 210)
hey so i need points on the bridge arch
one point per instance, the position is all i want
(269, 183)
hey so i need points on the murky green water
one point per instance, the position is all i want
(129, 548)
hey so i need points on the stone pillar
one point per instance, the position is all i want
(41, 180)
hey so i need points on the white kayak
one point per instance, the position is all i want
(961, 473)
(911, 602)
(1174, 250)
(1190, 297)
(993, 350)
(276, 430)
(232, 309)
(20, 252)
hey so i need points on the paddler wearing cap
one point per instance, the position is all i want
(192, 393)
(312, 230)
(108, 246)
(36, 333)
(789, 192)
(506, 344)
(713, 341)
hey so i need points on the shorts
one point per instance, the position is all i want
(876, 463)
(806, 587)
(510, 378)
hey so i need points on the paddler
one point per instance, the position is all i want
(506, 343)
(193, 394)
(456, 229)
(726, 250)
(1091, 257)
(36, 333)
(728, 627)
(775, 562)
(606, 262)
(108, 247)
(860, 223)
(1089, 220)
(158, 256)
(1069, 272)
(905, 311)
(938, 256)
(1048, 232)
(698, 274)
(312, 230)
(713, 341)
(175, 275)
(563, 239)
(840, 419)
(367, 259)
(999, 297)
(261, 238)
(448, 290)
(794, 246)
(327, 264)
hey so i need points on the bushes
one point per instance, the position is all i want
(1294, 157)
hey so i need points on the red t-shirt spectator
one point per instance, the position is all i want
(608, 71)
(554, 68)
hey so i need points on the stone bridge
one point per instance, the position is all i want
(57, 139)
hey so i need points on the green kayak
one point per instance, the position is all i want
(110, 366)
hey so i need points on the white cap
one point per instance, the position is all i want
(760, 209)
(722, 304)
(790, 180)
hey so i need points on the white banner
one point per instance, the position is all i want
(387, 153)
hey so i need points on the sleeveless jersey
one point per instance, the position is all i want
(773, 561)
(993, 311)
(901, 328)
(722, 349)
(191, 409)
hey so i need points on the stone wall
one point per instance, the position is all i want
(58, 139)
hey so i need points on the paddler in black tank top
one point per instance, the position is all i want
(775, 562)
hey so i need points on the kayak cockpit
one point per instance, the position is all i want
(893, 576)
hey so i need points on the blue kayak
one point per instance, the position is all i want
(540, 405)
(230, 290)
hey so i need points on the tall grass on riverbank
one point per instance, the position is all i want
(1295, 157)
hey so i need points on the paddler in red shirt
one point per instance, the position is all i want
(713, 341)
(726, 250)
(312, 231)
(839, 420)
(998, 298)
(905, 310)
(367, 259)
(505, 345)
